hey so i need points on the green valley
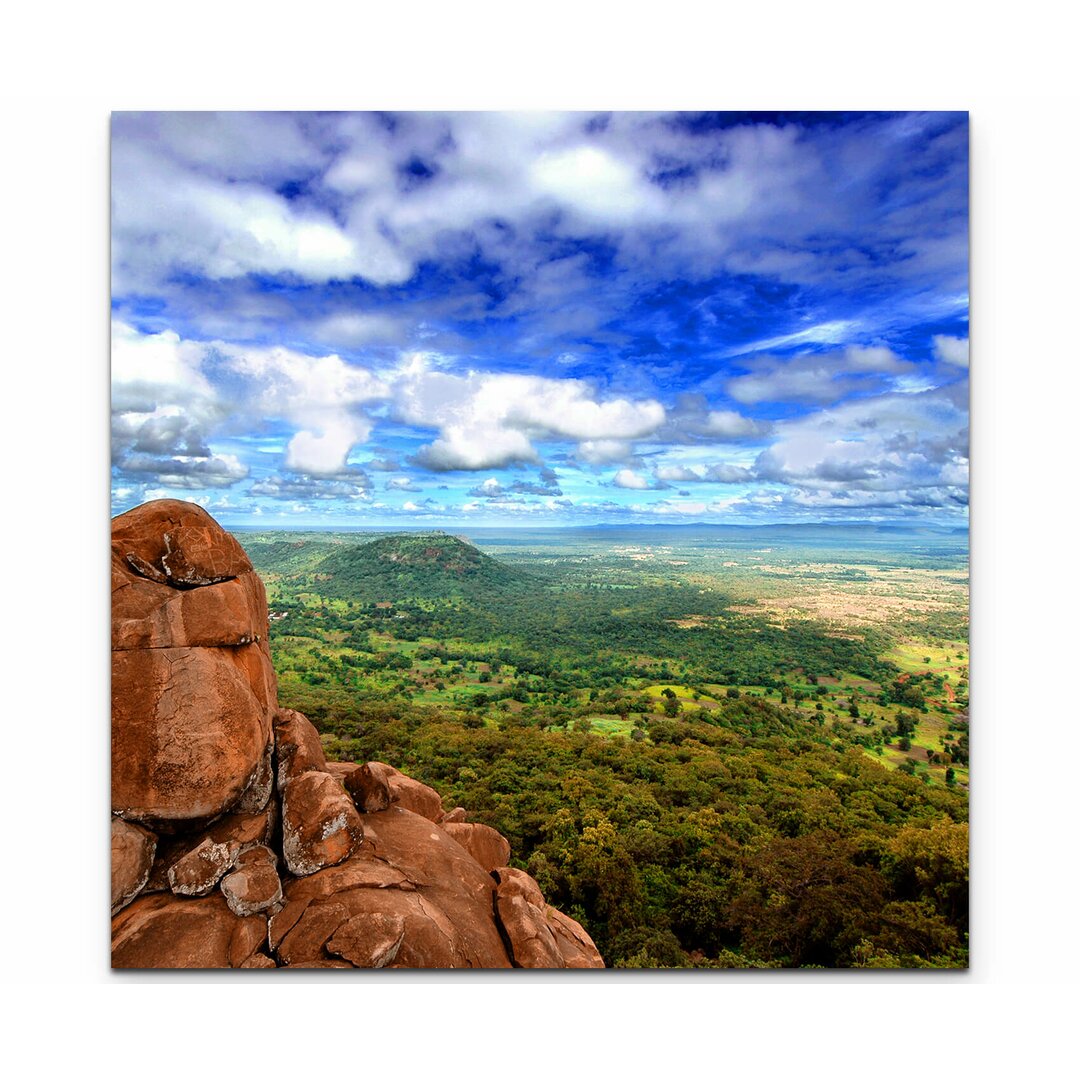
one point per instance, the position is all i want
(714, 747)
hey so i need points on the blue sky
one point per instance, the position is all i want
(541, 319)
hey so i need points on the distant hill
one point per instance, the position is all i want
(424, 567)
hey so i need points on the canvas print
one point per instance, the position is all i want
(539, 540)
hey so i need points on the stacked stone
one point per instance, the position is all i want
(234, 842)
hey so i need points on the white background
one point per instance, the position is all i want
(63, 68)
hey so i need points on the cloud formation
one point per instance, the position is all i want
(557, 316)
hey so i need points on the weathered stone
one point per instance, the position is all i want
(133, 850)
(320, 825)
(150, 615)
(408, 793)
(454, 816)
(197, 872)
(304, 942)
(575, 945)
(257, 796)
(340, 769)
(248, 937)
(368, 941)
(180, 540)
(406, 869)
(369, 789)
(166, 931)
(539, 935)
(247, 830)
(520, 906)
(258, 960)
(487, 846)
(189, 728)
(253, 885)
(297, 746)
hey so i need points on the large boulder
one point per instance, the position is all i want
(540, 936)
(193, 685)
(369, 788)
(298, 747)
(149, 615)
(486, 845)
(168, 540)
(166, 931)
(407, 874)
(253, 885)
(189, 728)
(132, 857)
(406, 792)
(319, 824)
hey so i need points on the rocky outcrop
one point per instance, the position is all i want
(540, 936)
(235, 843)
(193, 687)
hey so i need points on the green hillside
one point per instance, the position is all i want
(427, 566)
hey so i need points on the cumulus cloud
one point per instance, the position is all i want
(322, 395)
(604, 451)
(951, 350)
(627, 478)
(488, 420)
(889, 444)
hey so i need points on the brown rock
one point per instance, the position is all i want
(253, 884)
(149, 615)
(369, 789)
(298, 747)
(487, 846)
(248, 937)
(320, 825)
(368, 941)
(166, 931)
(132, 857)
(405, 869)
(257, 796)
(180, 540)
(304, 942)
(247, 830)
(189, 728)
(197, 872)
(521, 910)
(453, 816)
(575, 945)
(540, 936)
(408, 793)
(340, 769)
(258, 960)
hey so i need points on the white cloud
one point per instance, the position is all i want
(490, 420)
(320, 395)
(951, 350)
(604, 451)
(627, 478)
(678, 474)
(727, 424)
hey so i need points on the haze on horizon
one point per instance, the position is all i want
(448, 320)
